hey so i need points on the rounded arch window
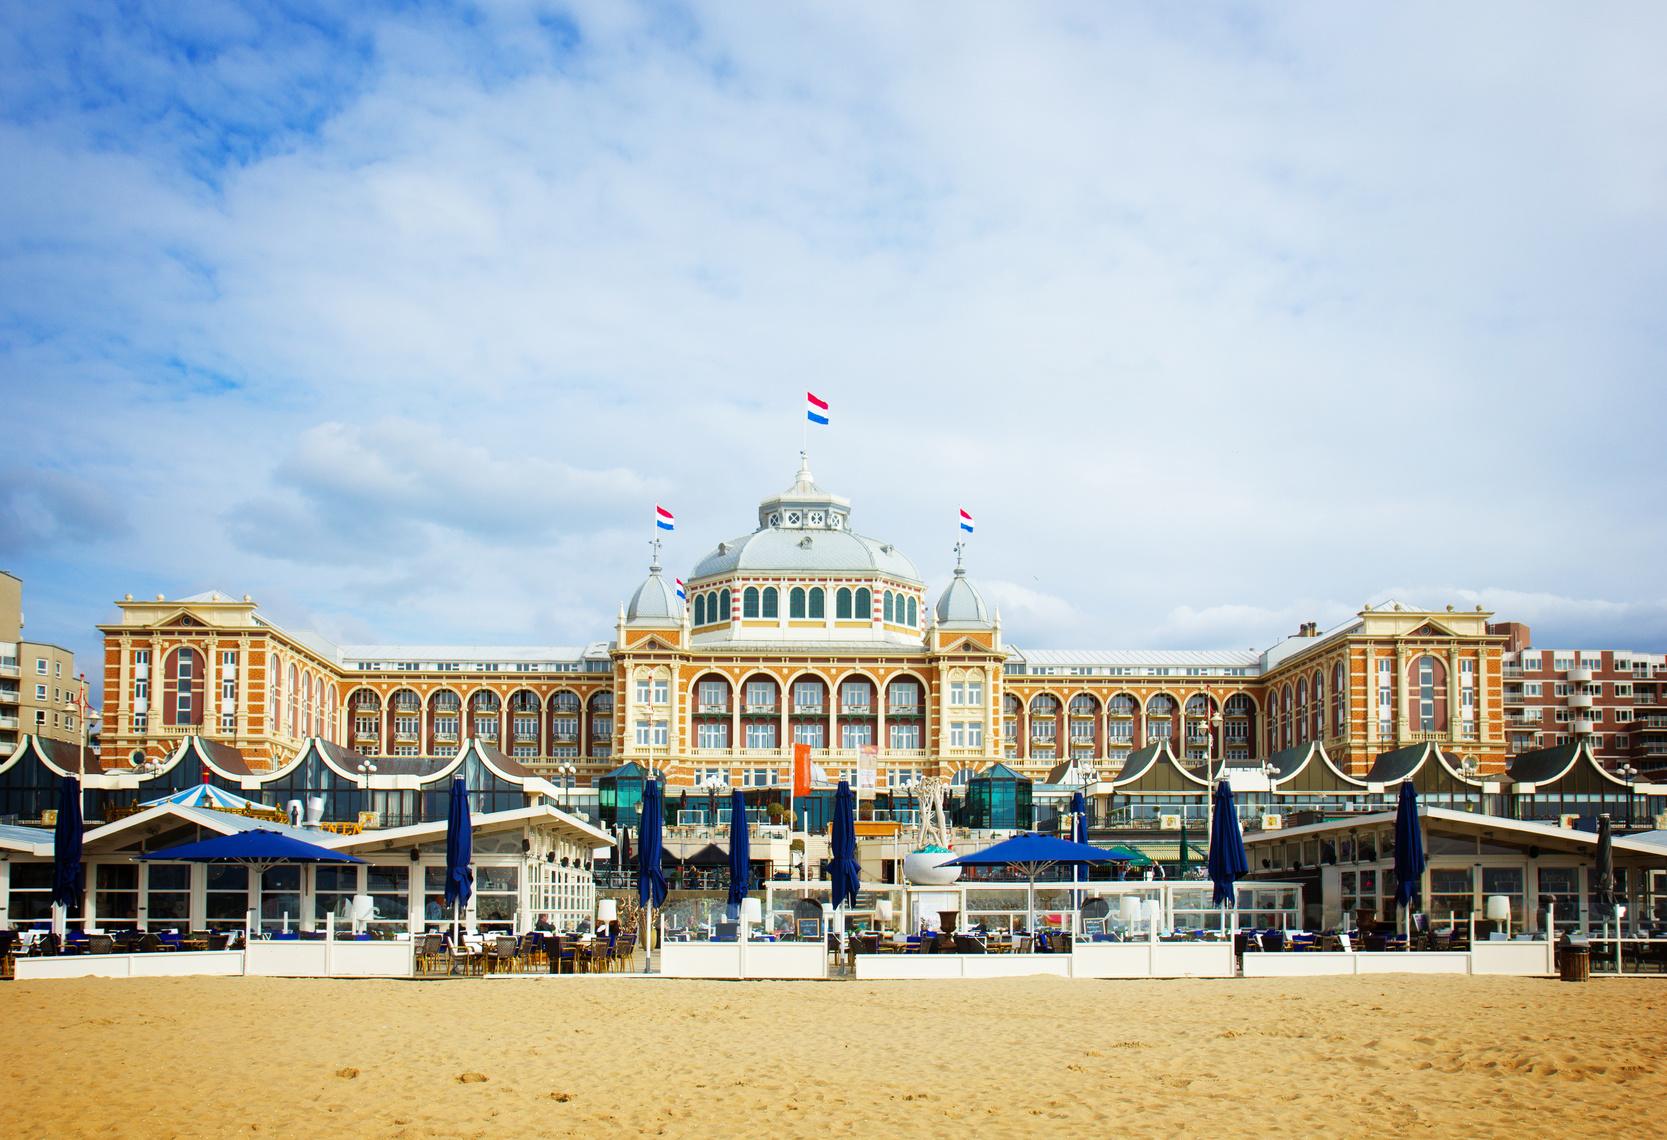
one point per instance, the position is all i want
(768, 601)
(885, 606)
(700, 609)
(842, 604)
(817, 609)
(914, 615)
(749, 602)
(1162, 704)
(796, 602)
(862, 604)
(723, 605)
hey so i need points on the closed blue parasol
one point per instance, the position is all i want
(1079, 827)
(67, 875)
(1409, 847)
(740, 851)
(651, 880)
(1033, 854)
(845, 872)
(1603, 877)
(1227, 862)
(460, 846)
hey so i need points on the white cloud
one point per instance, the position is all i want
(1202, 313)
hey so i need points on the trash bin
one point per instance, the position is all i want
(1575, 963)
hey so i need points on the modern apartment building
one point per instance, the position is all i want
(39, 691)
(1614, 700)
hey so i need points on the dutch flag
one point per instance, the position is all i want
(966, 521)
(682, 595)
(817, 412)
(663, 519)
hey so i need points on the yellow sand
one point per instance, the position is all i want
(604, 1056)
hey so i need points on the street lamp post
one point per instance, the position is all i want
(713, 786)
(1210, 774)
(566, 777)
(1628, 773)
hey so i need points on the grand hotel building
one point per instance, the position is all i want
(803, 629)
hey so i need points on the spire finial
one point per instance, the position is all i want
(960, 551)
(654, 560)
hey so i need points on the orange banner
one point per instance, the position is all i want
(801, 769)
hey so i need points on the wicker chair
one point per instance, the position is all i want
(100, 944)
(428, 953)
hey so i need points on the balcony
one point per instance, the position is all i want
(1584, 727)
(405, 737)
(8, 722)
(1512, 671)
(856, 710)
(1522, 720)
(713, 708)
(564, 737)
(1580, 675)
(903, 710)
(809, 709)
(766, 708)
(1580, 700)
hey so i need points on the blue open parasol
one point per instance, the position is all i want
(740, 852)
(845, 871)
(1227, 862)
(258, 848)
(1033, 854)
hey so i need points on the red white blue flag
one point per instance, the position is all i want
(682, 594)
(966, 520)
(817, 411)
(664, 519)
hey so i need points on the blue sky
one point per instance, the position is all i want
(1220, 318)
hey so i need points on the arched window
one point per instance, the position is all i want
(1316, 711)
(700, 609)
(749, 602)
(842, 604)
(862, 604)
(294, 699)
(796, 602)
(914, 616)
(885, 604)
(1339, 705)
(723, 605)
(1302, 711)
(817, 610)
(769, 601)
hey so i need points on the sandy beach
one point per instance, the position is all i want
(509, 1057)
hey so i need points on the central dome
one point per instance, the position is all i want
(804, 530)
(805, 577)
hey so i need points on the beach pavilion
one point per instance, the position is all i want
(1346, 865)
(528, 861)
